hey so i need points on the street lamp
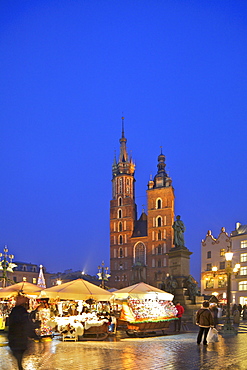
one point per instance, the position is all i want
(6, 265)
(228, 328)
(102, 274)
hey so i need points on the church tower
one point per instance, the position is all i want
(122, 215)
(160, 206)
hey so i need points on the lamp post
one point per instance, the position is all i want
(102, 274)
(6, 265)
(228, 328)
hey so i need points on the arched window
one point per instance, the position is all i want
(140, 254)
(159, 235)
(119, 213)
(120, 239)
(159, 221)
(158, 203)
(120, 251)
(120, 226)
(120, 201)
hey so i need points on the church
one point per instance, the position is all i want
(139, 248)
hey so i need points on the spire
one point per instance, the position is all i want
(162, 179)
(41, 278)
(123, 150)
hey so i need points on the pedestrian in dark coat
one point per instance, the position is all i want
(19, 329)
(205, 320)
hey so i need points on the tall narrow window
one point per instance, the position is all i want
(159, 204)
(159, 221)
(119, 213)
(120, 226)
(119, 201)
(140, 254)
(120, 252)
(159, 235)
(120, 239)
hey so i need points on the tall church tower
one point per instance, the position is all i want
(122, 215)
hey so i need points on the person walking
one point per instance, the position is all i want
(19, 328)
(180, 311)
(204, 320)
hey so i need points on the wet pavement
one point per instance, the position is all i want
(173, 351)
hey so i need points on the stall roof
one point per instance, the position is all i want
(143, 290)
(76, 290)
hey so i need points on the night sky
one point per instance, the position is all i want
(176, 70)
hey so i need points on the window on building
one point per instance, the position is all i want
(222, 252)
(222, 282)
(120, 252)
(15, 279)
(34, 281)
(24, 278)
(140, 254)
(243, 270)
(159, 221)
(209, 254)
(243, 257)
(119, 213)
(120, 226)
(120, 201)
(243, 243)
(209, 267)
(159, 263)
(24, 268)
(209, 283)
(242, 285)
(222, 265)
(120, 239)
(159, 235)
(120, 266)
(34, 269)
(159, 249)
(159, 203)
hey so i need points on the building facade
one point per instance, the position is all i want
(213, 264)
(139, 247)
(28, 272)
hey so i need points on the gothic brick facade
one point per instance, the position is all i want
(139, 247)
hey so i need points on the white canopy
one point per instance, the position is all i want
(142, 290)
(76, 290)
(23, 287)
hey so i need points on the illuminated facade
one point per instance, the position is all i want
(213, 273)
(138, 247)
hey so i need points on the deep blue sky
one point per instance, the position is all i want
(178, 72)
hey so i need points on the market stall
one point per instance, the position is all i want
(8, 294)
(145, 308)
(79, 310)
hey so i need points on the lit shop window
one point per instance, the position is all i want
(24, 278)
(222, 282)
(243, 243)
(243, 257)
(34, 281)
(242, 285)
(209, 283)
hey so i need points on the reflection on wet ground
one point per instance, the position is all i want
(176, 352)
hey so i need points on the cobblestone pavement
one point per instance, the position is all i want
(170, 352)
